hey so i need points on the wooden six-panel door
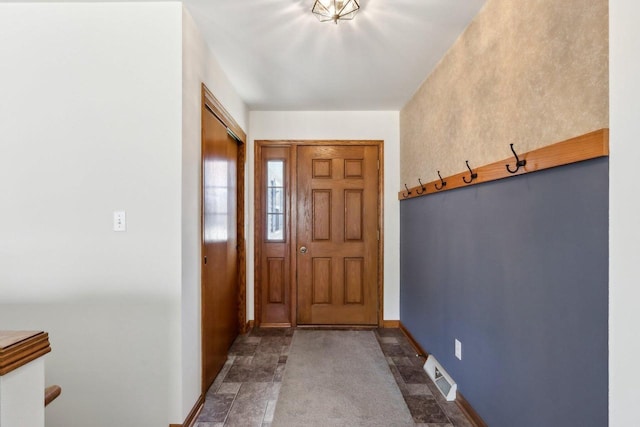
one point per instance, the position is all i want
(337, 235)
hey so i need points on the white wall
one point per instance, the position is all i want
(624, 237)
(90, 122)
(372, 125)
(21, 395)
(198, 66)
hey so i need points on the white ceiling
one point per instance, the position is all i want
(279, 56)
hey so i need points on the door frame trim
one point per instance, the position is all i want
(257, 224)
(210, 103)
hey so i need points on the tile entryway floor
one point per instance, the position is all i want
(246, 390)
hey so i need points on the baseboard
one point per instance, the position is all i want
(249, 325)
(469, 412)
(390, 324)
(191, 418)
(421, 352)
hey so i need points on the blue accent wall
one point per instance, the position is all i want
(517, 270)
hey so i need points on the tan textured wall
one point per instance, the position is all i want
(528, 72)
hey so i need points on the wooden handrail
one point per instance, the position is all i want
(17, 348)
(50, 393)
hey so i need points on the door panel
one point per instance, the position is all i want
(273, 235)
(219, 228)
(337, 223)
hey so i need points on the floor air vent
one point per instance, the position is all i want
(443, 381)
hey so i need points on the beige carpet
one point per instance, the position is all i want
(338, 378)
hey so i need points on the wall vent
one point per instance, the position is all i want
(441, 378)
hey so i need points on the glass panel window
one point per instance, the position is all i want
(275, 200)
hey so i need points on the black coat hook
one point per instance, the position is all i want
(444, 183)
(408, 192)
(421, 186)
(474, 175)
(519, 163)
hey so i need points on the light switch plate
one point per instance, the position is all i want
(119, 221)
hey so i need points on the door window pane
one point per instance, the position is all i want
(275, 200)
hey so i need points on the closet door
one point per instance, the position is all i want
(219, 228)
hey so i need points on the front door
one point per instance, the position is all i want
(337, 235)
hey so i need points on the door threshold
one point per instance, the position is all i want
(339, 327)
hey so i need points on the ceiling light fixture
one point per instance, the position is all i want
(334, 10)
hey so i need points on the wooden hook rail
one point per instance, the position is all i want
(585, 147)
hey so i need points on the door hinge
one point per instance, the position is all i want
(378, 164)
(378, 235)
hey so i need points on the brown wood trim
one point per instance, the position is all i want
(242, 241)
(318, 142)
(469, 412)
(249, 326)
(258, 224)
(193, 414)
(17, 348)
(11, 338)
(257, 235)
(391, 324)
(419, 350)
(275, 325)
(585, 147)
(381, 234)
(222, 114)
(294, 237)
(51, 393)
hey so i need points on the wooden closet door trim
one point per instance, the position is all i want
(222, 114)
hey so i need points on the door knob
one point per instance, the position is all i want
(303, 249)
